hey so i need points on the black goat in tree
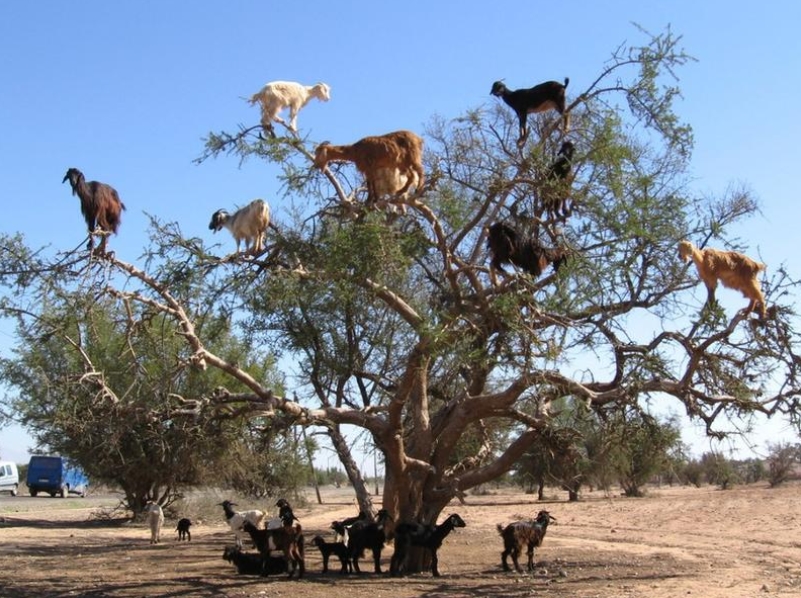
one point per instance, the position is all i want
(540, 98)
(100, 205)
(507, 246)
(429, 536)
(554, 191)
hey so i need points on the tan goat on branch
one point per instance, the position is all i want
(734, 270)
(400, 150)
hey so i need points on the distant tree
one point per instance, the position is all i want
(99, 385)
(783, 458)
(643, 446)
(719, 470)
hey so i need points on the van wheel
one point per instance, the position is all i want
(14, 490)
(64, 492)
(34, 492)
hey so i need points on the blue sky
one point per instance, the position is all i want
(125, 91)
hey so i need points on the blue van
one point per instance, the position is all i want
(55, 476)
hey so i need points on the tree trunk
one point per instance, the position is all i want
(351, 469)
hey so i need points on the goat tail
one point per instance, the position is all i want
(499, 527)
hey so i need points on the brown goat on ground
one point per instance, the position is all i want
(100, 205)
(540, 98)
(401, 150)
(248, 224)
(530, 533)
(507, 246)
(288, 539)
(733, 269)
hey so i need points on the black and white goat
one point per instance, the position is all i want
(554, 191)
(366, 534)
(236, 519)
(338, 549)
(528, 533)
(507, 246)
(428, 536)
(248, 224)
(341, 527)
(540, 98)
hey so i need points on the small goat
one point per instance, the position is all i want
(288, 539)
(733, 269)
(236, 519)
(155, 519)
(183, 529)
(248, 224)
(530, 533)
(507, 246)
(339, 549)
(554, 191)
(100, 205)
(277, 95)
(425, 536)
(253, 564)
(400, 150)
(364, 534)
(284, 512)
(540, 98)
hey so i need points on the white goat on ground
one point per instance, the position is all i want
(236, 519)
(248, 224)
(155, 519)
(277, 95)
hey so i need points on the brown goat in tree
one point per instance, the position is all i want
(401, 150)
(100, 205)
(733, 269)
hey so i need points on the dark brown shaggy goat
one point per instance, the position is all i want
(507, 246)
(100, 205)
(540, 98)
(530, 533)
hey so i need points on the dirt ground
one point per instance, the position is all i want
(675, 542)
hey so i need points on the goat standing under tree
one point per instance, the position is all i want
(100, 205)
(409, 535)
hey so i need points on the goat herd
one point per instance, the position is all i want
(393, 163)
(280, 544)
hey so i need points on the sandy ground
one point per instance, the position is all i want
(675, 542)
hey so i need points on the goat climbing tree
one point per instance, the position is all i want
(396, 329)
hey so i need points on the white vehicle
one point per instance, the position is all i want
(9, 477)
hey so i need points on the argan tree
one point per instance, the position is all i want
(394, 324)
